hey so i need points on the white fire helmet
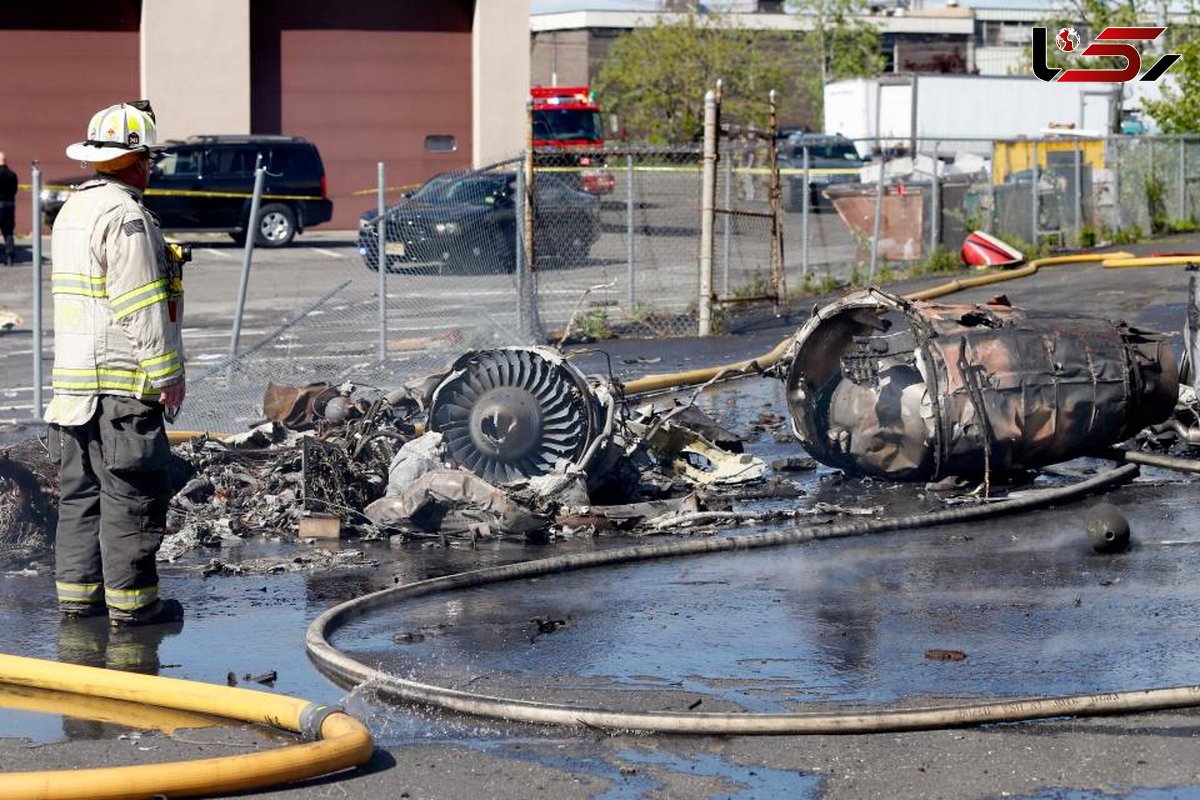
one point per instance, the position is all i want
(117, 131)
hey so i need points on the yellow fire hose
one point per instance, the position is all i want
(1011, 275)
(101, 709)
(338, 740)
(695, 377)
(1113, 261)
(658, 383)
(178, 437)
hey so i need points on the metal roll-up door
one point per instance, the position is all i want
(367, 84)
(60, 63)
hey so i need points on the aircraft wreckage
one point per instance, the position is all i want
(876, 385)
(518, 441)
(918, 391)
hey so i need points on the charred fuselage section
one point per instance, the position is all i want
(921, 391)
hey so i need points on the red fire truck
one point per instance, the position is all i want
(568, 134)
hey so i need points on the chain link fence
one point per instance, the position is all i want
(638, 276)
(615, 245)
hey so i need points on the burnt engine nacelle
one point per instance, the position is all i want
(519, 412)
(919, 391)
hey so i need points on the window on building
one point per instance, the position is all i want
(440, 143)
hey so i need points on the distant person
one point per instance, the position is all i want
(118, 374)
(8, 209)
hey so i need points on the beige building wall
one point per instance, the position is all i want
(196, 65)
(561, 58)
(500, 78)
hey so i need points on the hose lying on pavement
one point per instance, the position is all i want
(340, 742)
(102, 709)
(346, 670)
(679, 380)
(1155, 460)
(1114, 261)
(181, 436)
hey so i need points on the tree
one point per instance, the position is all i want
(1177, 110)
(655, 78)
(1089, 18)
(845, 44)
(841, 43)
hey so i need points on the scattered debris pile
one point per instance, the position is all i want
(520, 443)
(323, 449)
(28, 503)
(1180, 434)
(517, 442)
(511, 442)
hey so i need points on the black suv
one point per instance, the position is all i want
(204, 183)
(832, 158)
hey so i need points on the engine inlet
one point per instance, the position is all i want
(516, 413)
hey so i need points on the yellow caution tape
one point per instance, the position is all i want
(185, 192)
(389, 189)
(409, 186)
(696, 167)
(193, 193)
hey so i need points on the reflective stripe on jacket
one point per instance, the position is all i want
(117, 301)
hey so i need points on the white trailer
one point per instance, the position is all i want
(959, 108)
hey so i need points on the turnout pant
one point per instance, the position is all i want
(112, 507)
(7, 223)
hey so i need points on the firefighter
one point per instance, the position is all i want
(118, 375)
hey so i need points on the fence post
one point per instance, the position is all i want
(935, 204)
(991, 179)
(382, 261)
(804, 209)
(1182, 179)
(879, 212)
(879, 188)
(630, 300)
(708, 190)
(260, 173)
(1033, 183)
(38, 399)
(726, 244)
(1112, 154)
(727, 223)
(1078, 198)
(519, 267)
(528, 220)
(778, 276)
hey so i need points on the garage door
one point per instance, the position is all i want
(370, 83)
(60, 65)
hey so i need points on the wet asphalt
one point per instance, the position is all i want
(826, 625)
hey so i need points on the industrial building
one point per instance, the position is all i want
(366, 81)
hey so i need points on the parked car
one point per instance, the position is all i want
(205, 183)
(831, 159)
(467, 222)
